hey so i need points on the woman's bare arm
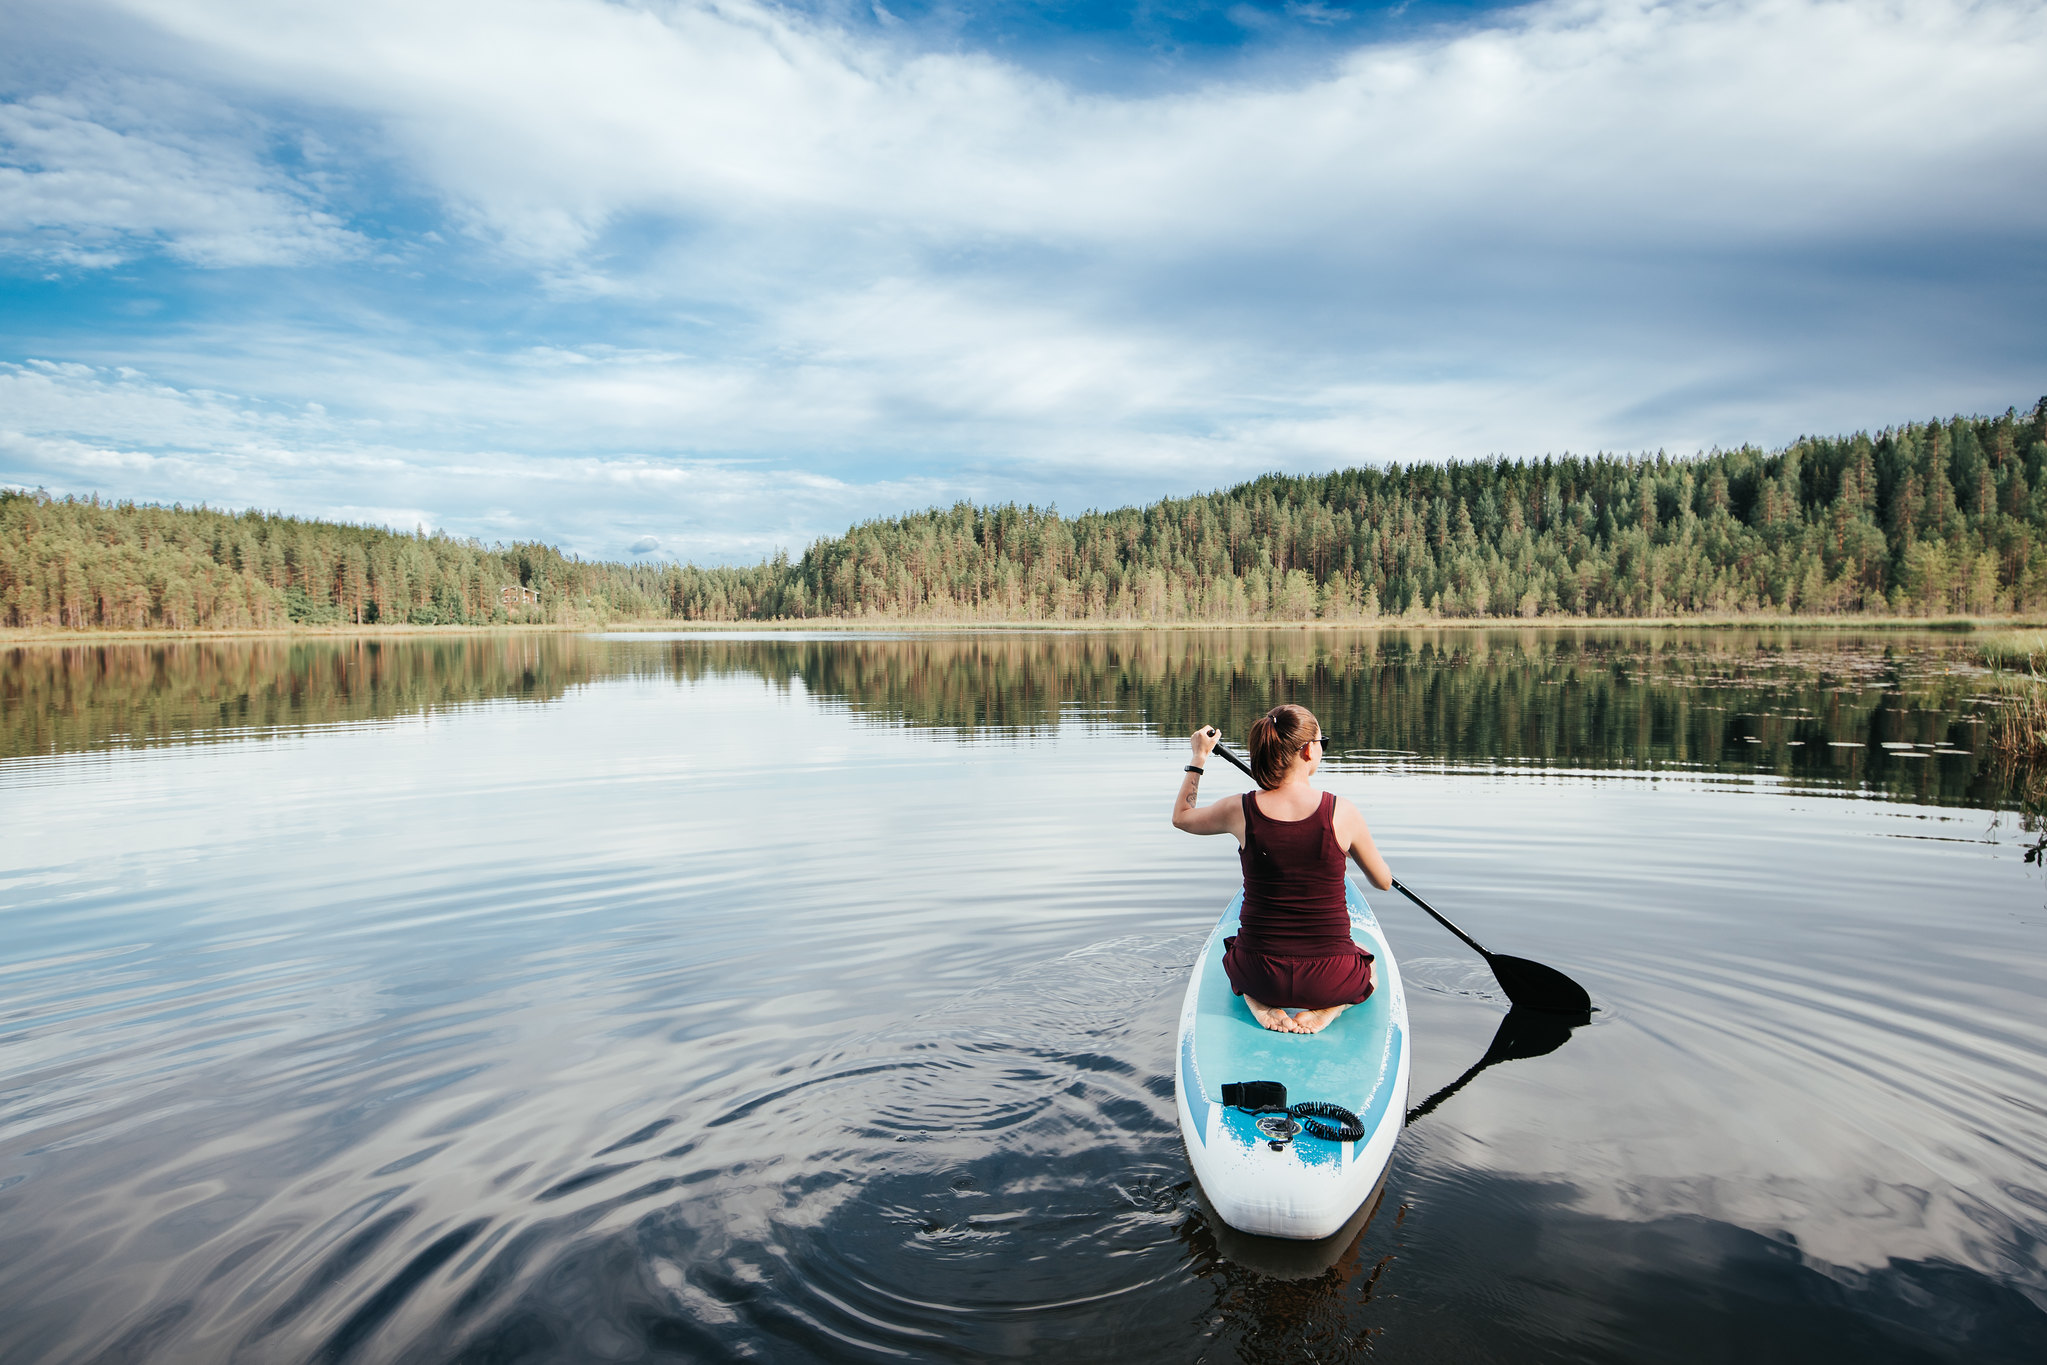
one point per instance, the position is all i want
(1356, 838)
(1220, 817)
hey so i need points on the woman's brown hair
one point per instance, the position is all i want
(1276, 737)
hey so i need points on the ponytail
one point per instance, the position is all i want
(1276, 738)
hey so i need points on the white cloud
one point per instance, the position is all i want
(778, 275)
(79, 429)
(77, 190)
(1313, 13)
(545, 120)
(594, 448)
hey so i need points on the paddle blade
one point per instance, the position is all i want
(1533, 986)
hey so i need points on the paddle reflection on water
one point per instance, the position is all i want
(1523, 1033)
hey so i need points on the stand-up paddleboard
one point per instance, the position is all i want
(1260, 1179)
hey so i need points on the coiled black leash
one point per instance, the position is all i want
(1279, 1122)
(1310, 1114)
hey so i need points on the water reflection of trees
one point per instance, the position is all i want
(1815, 708)
(58, 699)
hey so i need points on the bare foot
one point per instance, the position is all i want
(1314, 1021)
(1276, 1020)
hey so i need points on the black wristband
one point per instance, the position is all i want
(1196, 771)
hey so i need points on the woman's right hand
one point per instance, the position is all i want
(1221, 817)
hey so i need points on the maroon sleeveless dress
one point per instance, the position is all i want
(1293, 948)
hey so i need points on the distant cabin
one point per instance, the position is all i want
(516, 596)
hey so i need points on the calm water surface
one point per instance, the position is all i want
(548, 998)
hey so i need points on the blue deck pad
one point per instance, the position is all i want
(1355, 1062)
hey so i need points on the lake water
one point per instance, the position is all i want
(548, 998)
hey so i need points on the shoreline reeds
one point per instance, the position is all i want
(2018, 660)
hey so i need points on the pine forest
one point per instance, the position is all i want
(1927, 519)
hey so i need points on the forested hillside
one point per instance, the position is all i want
(90, 564)
(1929, 518)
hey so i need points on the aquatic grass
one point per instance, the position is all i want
(2019, 730)
(2023, 650)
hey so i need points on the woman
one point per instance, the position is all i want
(1293, 949)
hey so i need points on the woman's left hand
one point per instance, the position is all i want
(1204, 741)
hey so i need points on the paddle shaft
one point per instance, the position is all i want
(1437, 915)
(1434, 913)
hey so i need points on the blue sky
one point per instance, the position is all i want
(710, 279)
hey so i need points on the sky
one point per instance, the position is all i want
(702, 281)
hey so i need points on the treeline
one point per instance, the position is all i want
(1929, 519)
(88, 564)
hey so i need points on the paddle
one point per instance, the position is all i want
(1528, 985)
